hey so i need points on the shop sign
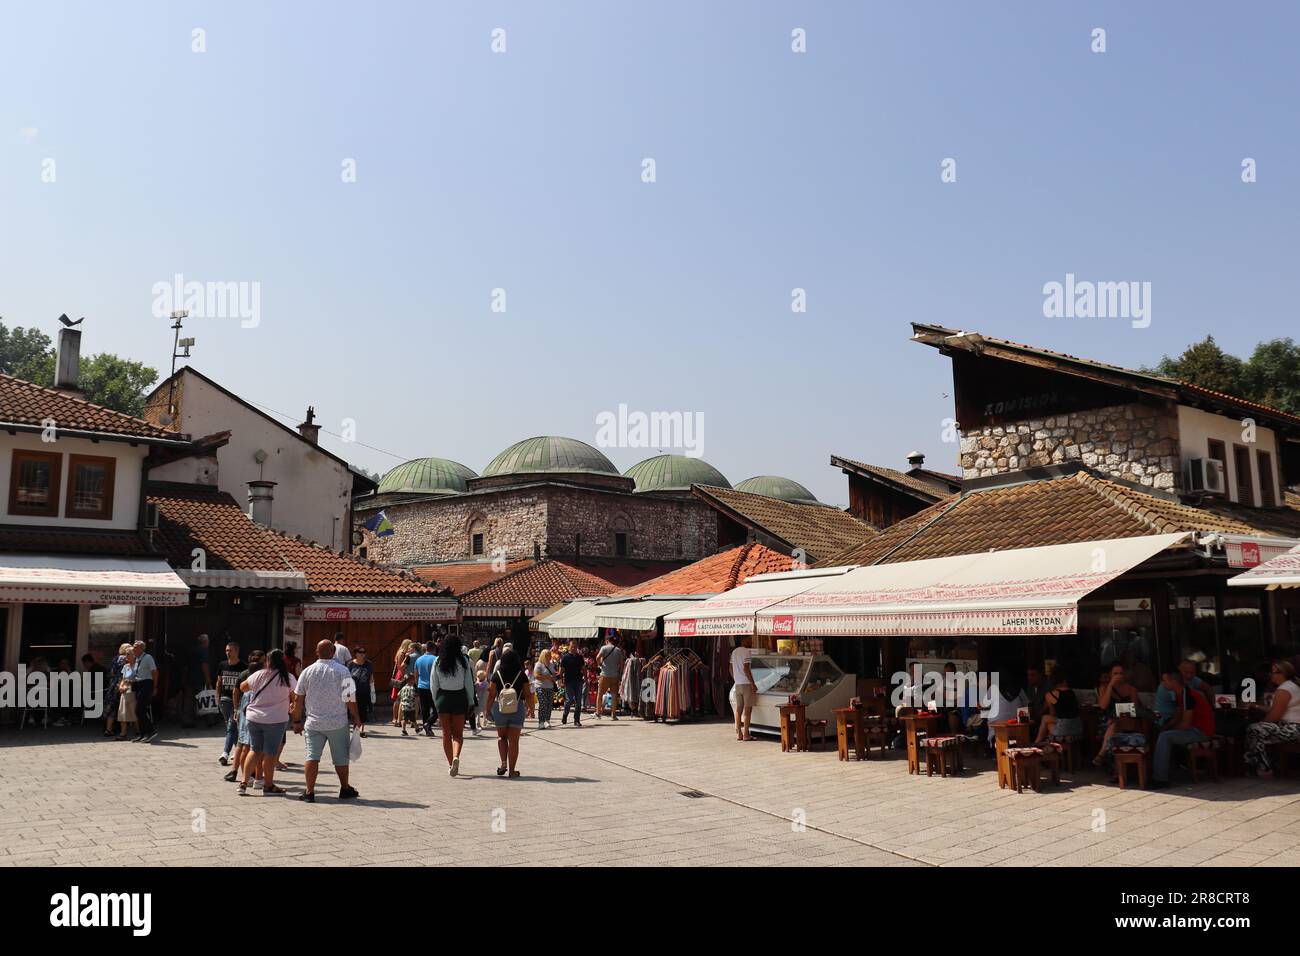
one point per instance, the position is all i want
(1249, 554)
(1132, 604)
(783, 624)
(686, 628)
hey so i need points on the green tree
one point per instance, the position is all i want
(1207, 365)
(106, 379)
(1273, 374)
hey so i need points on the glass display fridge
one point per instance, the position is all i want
(817, 680)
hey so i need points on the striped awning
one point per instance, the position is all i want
(640, 615)
(68, 579)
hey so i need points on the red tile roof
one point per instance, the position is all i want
(539, 586)
(1077, 507)
(206, 518)
(917, 481)
(716, 573)
(24, 403)
(819, 530)
(464, 576)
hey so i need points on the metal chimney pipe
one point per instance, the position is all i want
(261, 495)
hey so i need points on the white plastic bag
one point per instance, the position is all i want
(354, 746)
(207, 702)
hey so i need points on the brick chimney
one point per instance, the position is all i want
(261, 495)
(309, 429)
(916, 459)
(67, 361)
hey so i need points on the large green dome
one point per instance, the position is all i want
(773, 486)
(549, 454)
(674, 473)
(426, 476)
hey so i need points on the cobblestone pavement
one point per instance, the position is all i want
(608, 793)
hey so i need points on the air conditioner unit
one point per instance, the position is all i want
(1205, 475)
(151, 516)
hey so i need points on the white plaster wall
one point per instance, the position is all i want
(313, 491)
(1196, 428)
(126, 480)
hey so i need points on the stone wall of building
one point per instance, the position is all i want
(439, 529)
(1133, 442)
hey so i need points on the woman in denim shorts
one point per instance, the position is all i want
(509, 673)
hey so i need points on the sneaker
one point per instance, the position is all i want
(307, 797)
(348, 793)
(478, 732)
(404, 733)
(224, 760)
(455, 767)
(232, 776)
(259, 784)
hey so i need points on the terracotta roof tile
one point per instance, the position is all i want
(933, 488)
(464, 576)
(716, 573)
(200, 518)
(1078, 507)
(543, 584)
(24, 403)
(819, 530)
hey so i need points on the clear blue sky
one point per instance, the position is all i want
(522, 171)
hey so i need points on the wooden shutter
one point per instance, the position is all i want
(1267, 498)
(1245, 483)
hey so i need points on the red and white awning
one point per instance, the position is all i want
(67, 579)
(1020, 592)
(1282, 571)
(380, 611)
(732, 612)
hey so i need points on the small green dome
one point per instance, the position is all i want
(674, 473)
(426, 476)
(772, 486)
(549, 454)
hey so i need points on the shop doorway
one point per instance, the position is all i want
(50, 632)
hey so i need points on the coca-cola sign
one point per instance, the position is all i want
(338, 614)
(1250, 557)
(783, 624)
(686, 628)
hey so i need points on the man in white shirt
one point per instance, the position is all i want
(324, 707)
(746, 689)
(146, 672)
(341, 653)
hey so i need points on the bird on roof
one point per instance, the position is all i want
(69, 323)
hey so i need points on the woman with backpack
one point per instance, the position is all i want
(507, 696)
(452, 682)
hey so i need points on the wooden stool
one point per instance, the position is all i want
(943, 752)
(847, 721)
(817, 727)
(1051, 758)
(872, 732)
(793, 737)
(1284, 754)
(1126, 757)
(1204, 752)
(1026, 767)
(1070, 751)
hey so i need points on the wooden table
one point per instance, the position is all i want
(1007, 733)
(849, 720)
(918, 723)
(798, 738)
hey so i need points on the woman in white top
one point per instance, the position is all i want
(1005, 700)
(1281, 725)
(451, 681)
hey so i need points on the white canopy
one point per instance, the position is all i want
(642, 614)
(732, 612)
(1025, 591)
(573, 621)
(1280, 572)
(69, 579)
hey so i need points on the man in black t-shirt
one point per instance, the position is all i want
(572, 668)
(228, 672)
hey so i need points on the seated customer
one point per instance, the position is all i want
(1280, 725)
(1060, 711)
(1114, 691)
(1005, 701)
(1192, 722)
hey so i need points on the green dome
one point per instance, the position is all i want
(772, 486)
(549, 454)
(674, 473)
(426, 476)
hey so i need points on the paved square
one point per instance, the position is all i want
(608, 793)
